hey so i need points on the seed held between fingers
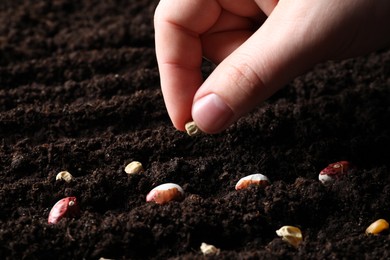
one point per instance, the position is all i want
(290, 234)
(64, 175)
(253, 179)
(192, 129)
(134, 168)
(165, 193)
(377, 227)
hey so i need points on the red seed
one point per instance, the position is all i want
(66, 207)
(334, 171)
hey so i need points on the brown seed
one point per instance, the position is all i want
(134, 168)
(192, 129)
(290, 234)
(64, 175)
(377, 227)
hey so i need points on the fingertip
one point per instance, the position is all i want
(212, 114)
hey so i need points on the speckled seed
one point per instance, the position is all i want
(165, 193)
(134, 168)
(334, 171)
(64, 175)
(192, 129)
(254, 179)
(290, 234)
(377, 227)
(209, 249)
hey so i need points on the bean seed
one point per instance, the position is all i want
(334, 171)
(290, 234)
(64, 175)
(134, 168)
(253, 179)
(209, 249)
(165, 193)
(66, 207)
(377, 227)
(192, 129)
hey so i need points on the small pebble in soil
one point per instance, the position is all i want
(65, 176)
(66, 207)
(253, 179)
(209, 249)
(165, 193)
(334, 171)
(134, 168)
(192, 129)
(377, 227)
(290, 234)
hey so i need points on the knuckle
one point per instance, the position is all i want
(245, 79)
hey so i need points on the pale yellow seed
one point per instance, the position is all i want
(192, 129)
(377, 227)
(290, 234)
(134, 168)
(65, 176)
(209, 249)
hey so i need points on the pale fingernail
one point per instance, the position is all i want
(211, 113)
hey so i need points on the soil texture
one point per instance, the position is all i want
(79, 91)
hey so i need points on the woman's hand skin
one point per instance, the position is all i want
(260, 45)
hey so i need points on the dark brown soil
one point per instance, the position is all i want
(79, 91)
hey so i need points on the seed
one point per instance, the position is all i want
(209, 249)
(165, 193)
(192, 129)
(334, 171)
(377, 227)
(134, 168)
(66, 207)
(64, 175)
(290, 234)
(254, 179)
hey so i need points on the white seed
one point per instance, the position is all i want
(134, 168)
(209, 249)
(253, 179)
(65, 176)
(324, 178)
(290, 234)
(165, 193)
(192, 129)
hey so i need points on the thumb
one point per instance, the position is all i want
(277, 52)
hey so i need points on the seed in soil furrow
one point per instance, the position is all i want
(66, 207)
(377, 227)
(290, 234)
(134, 167)
(334, 171)
(253, 179)
(65, 176)
(165, 193)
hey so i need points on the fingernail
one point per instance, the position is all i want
(211, 113)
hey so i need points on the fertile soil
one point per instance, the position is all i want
(79, 91)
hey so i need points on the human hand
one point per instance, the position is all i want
(260, 45)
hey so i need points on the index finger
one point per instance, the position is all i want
(178, 25)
